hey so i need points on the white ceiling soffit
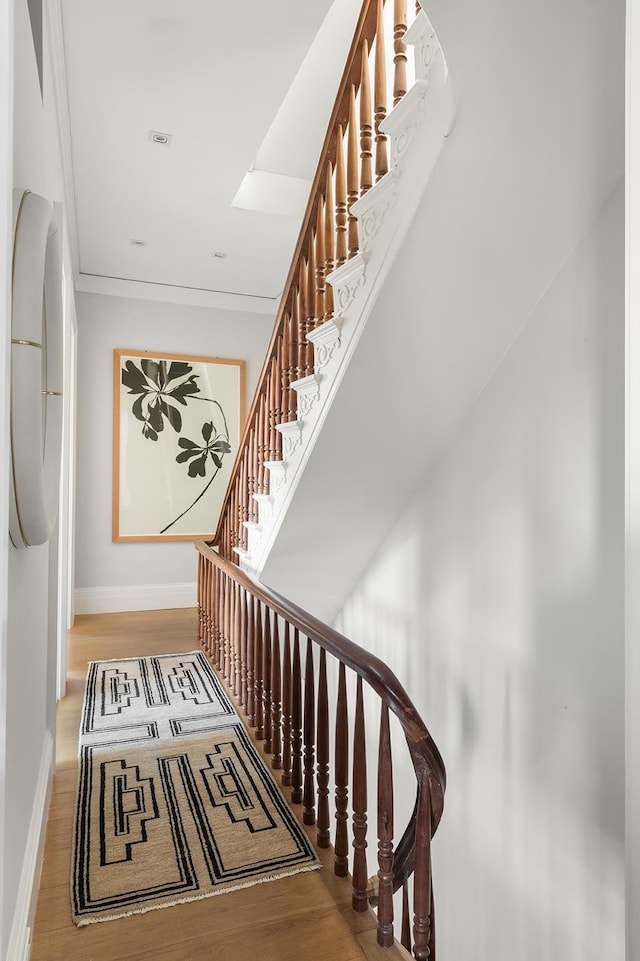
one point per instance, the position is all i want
(214, 85)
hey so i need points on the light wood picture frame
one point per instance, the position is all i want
(177, 423)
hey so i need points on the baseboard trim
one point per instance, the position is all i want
(134, 597)
(20, 936)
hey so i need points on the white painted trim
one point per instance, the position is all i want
(20, 937)
(632, 483)
(384, 215)
(166, 293)
(6, 225)
(134, 597)
(55, 40)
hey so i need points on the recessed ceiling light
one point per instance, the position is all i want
(138, 243)
(220, 254)
(164, 139)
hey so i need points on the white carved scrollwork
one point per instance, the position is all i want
(403, 139)
(308, 391)
(427, 50)
(346, 281)
(325, 339)
(277, 475)
(291, 437)
(372, 209)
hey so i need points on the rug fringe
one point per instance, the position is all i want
(84, 922)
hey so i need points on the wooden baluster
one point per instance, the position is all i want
(278, 414)
(405, 937)
(216, 588)
(204, 625)
(251, 691)
(243, 649)
(366, 125)
(251, 487)
(286, 707)
(271, 414)
(360, 877)
(203, 603)
(308, 794)
(221, 622)
(320, 264)
(400, 50)
(201, 630)
(232, 523)
(229, 655)
(224, 537)
(209, 608)
(295, 352)
(286, 369)
(258, 678)
(329, 242)
(276, 706)
(312, 298)
(304, 353)
(227, 630)
(341, 861)
(253, 481)
(233, 636)
(266, 680)
(422, 891)
(296, 724)
(263, 445)
(219, 617)
(353, 191)
(380, 95)
(237, 644)
(341, 201)
(432, 927)
(385, 832)
(246, 494)
(324, 832)
(241, 485)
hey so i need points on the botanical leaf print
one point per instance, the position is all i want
(159, 388)
(214, 447)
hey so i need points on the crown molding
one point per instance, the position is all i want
(175, 294)
(54, 38)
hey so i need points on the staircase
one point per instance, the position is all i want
(352, 230)
(309, 693)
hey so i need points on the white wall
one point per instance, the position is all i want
(6, 165)
(31, 612)
(633, 479)
(139, 576)
(533, 153)
(498, 599)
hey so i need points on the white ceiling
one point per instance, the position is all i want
(234, 85)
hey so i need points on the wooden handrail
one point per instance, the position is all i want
(328, 236)
(370, 668)
(252, 635)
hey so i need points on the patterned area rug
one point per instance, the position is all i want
(174, 801)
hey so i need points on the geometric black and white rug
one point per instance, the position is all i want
(174, 801)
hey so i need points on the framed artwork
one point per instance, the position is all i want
(176, 429)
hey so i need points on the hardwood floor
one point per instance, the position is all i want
(307, 916)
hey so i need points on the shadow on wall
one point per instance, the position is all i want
(498, 601)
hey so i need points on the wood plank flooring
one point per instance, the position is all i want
(307, 916)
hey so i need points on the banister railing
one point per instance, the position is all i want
(354, 150)
(276, 658)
